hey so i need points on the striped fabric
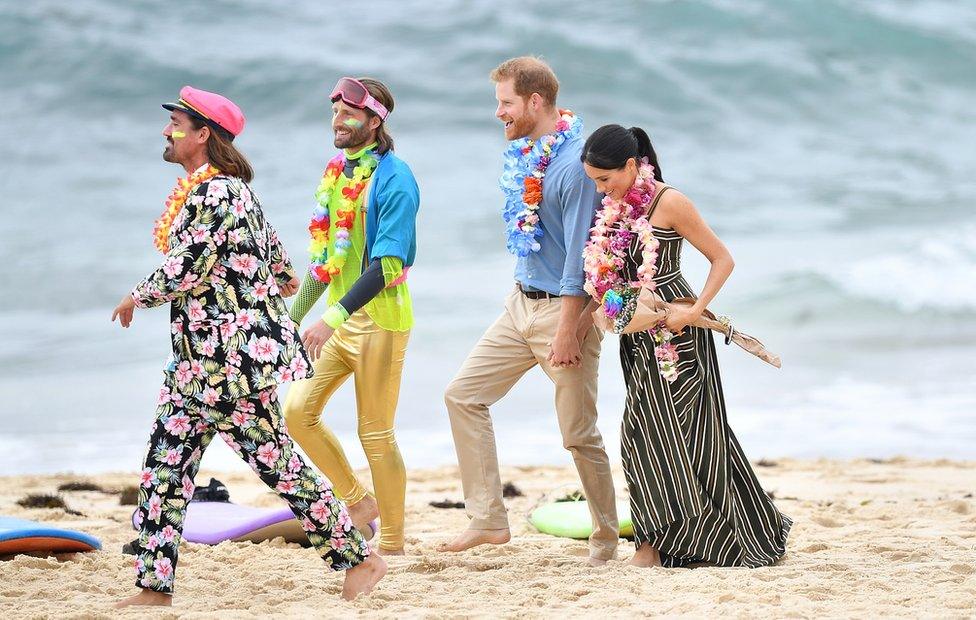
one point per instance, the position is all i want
(693, 495)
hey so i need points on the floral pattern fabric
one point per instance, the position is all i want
(254, 429)
(231, 333)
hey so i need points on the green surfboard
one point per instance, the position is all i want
(572, 520)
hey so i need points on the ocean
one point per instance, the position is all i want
(828, 142)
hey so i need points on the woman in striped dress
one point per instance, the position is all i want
(693, 495)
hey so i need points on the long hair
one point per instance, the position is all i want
(610, 146)
(379, 91)
(223, 155)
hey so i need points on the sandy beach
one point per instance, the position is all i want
(871, 539)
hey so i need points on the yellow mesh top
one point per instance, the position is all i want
(392, 308)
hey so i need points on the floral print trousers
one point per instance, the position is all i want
(253, 428)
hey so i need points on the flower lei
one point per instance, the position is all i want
(174, 203)
(618, 222)
(323, 266)
(526, 162)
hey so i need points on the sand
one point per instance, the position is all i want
(894, 538)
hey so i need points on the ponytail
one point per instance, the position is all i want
(611, 146)
(645, 150)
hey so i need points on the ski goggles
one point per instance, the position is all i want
(354, 93)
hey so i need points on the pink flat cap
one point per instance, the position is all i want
(215, 110)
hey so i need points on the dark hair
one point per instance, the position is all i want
(379, 91)
(223, 155)
(610, 146)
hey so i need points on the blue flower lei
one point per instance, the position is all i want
(523, 159)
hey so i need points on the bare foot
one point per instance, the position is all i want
(362, 578)
(362, 514)
(383, 551)
(146, 597)
(594, 561)
(645, 557)
(472, 538)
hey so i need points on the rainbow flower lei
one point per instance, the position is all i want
(323, 266)
(618, 222)
(174, 203)
(526, 162)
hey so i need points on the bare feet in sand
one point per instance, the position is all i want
(645, 557)
(362, 513)
(472, 538)
(362, 578)
(594, 561)
(146, 597)
(382, 551)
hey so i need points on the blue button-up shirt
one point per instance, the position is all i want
(569, 203)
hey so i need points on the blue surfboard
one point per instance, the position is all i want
(23, 536)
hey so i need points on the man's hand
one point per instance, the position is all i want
(290, 288)
(565, 346)
(565, 350)
(124, 311)
(315, 338)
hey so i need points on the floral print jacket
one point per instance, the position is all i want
(231, 332)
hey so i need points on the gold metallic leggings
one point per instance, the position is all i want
(374, 356)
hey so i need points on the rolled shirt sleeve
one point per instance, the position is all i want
(397, 223)
(579, 201)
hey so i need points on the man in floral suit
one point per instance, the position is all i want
(224, 274)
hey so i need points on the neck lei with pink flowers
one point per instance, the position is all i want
(526, 161)
(618, 223)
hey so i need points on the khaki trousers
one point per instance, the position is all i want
(516, 342)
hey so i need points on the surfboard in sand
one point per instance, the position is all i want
(572, 519)
(23, 536)
(211, 523)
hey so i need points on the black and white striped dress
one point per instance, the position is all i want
(693, 495)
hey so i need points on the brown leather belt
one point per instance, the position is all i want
(536, 294)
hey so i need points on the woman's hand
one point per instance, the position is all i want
(315, 338)
(124, 311)
(680, 317)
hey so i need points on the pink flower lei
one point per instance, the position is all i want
(617, 222)
(605, 256)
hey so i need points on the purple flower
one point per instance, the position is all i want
(619, 243)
